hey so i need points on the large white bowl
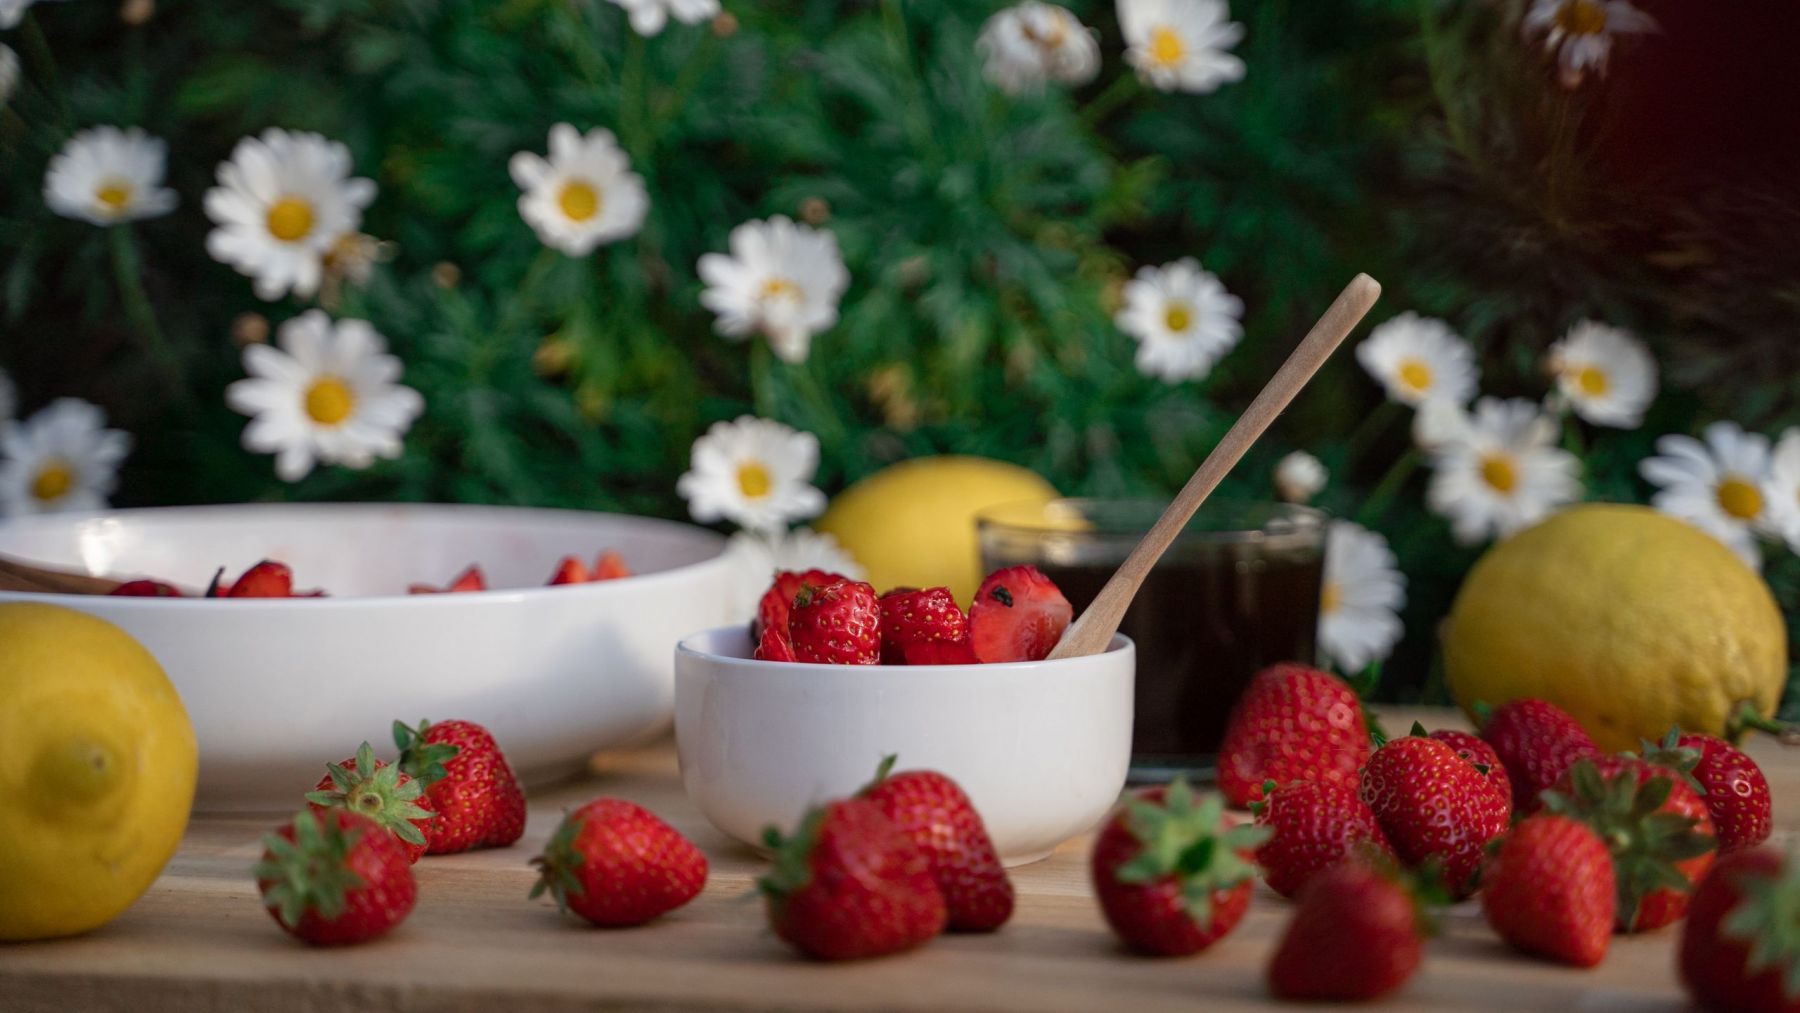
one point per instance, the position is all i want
(1040, 747)
(277, 688)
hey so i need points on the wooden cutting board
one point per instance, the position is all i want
(200, 941)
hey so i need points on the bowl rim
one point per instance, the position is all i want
(1120, 644)
(719, 560)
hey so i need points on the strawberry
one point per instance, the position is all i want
(470, 579)
(569, 570)
(774, 646)
(1357, 933)
(915, 619)
(468, 784)
(615, 863)
(839, 624)
(1656, 827)
(1730, 783)
(1740, 949)
(1471, 748)
(849, 884)
(609, 566)
(332, 877)
(1433, 804)
(146, 589)
(1292, 723)
(1549, 889)
(267, 579)
(1537, 741)
(933, 812)
(940, 652)
(1171, 877)
(1018, 615)
(1315, 824)
(772, 611)
(385, 794)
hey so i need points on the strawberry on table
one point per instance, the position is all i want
(609, 566)
(469, 580)
(921, 623)
(1433, 804)
(849, 884)
(569, 570)
(1313, 825)
(1549, 889)
(839, 624)
(332, 877)
(1357, 933)
(774, 646)
(1739, 948)
(932, 810)
(468, 784)
(616, 863)
(1171, 876)
(1018, 615)
(1471, 748)
(1292, 723)
(1537, 741)
(1731, 784)
(772, 611)
(383, 793)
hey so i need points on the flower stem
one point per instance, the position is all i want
(39, 47)
(1371, 426)
(1375, 504)
(128, 273)
(1123, 89)
(762, 380)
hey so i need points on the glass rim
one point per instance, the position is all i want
(993, 518)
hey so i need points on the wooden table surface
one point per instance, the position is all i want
(199, 941)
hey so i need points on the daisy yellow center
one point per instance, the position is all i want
(578, 200)
(329, 401)
(753, 480)
(290, 219)
(780, 288)
(1739, 498)
(1330, 598)
(1166, 49)
(1500, 472)
(1581, 17)
(53, 481)
(1178, 316)
(114, 194)
(1415, 374)
(1052, 39)
(1592, 381)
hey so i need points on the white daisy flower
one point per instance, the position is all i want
(12, 11)
(1717, 486)
(1781, 490)
(583, 195)
(106, 175)
(1504, 473)
(1605, 373)
(1182, 317)
(1415, 358)
(326, 395)
(1579, 33)
(1180, 45)
(1299, 476)
(1028, 45)
(9, 72)
(1438, 423)
(282, 201)
(781, 279)
(1360, 597)
(759, 554)
(649, 16)
(62, 458)
(754, 472)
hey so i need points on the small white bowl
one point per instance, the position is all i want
(277, 688)
(1040, 747)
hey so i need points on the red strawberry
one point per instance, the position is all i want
(774, 646)
(610, 566)
(839, 624)
(849, 884)
(1739, 950)
(1018, 615)
(941, 653)
(1734, 789)
(1537, 741)
(146, 589)
(332, 877)
(569, 570)
(1656, 827)
(267, 579)
(1549, 889)
(384, 793)
(467, 783)
(470, 579)
(772, 611)
(915, 619)
(1315, 824)
(1292, 723)
(1433, 803)
(1357, 933)
(1171, 877)
(932, 810)
(615, 863)
(1473, 749)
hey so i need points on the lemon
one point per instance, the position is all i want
(912, 524)
(1630, 620)
(97, 767)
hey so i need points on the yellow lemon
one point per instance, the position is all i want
(912, 524)
(97, 766)
(1630, 620)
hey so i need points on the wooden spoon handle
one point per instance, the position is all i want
(1094, 629)
(27, 577)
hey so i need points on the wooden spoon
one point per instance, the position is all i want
(17, 575)
(1093, 630)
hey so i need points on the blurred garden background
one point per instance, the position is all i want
(1517, 174)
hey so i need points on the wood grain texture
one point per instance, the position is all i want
(199, 942)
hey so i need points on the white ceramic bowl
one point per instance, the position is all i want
(277, 688)
(1040, 747)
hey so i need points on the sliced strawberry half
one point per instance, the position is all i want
(146, 589)
(470, 579)
(1017, 615)
(610, 566)
(914, 619)
(267, 579)
(774, 646)
(569, 571)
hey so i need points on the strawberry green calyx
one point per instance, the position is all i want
(310, 872)
(1767, 921)
(376, 791)
(882, 770)
(1646, 844)
(1183, 838)
(1671, 755)
(559, 864)
(790, 867)
(421, 760)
